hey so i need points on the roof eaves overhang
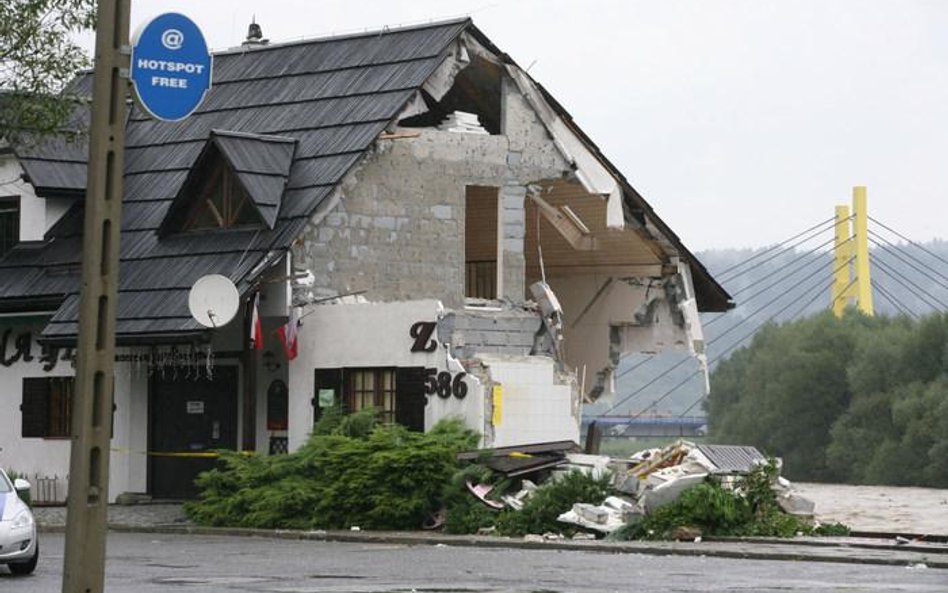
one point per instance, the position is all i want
(157, 339)
(31, 306)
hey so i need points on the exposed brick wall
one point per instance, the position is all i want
(398, 230)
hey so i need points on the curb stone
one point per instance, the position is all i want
(749, 549)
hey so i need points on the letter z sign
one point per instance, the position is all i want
(171, 67)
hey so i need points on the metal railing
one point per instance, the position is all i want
(480, 279)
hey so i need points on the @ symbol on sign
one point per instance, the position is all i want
(172, 39)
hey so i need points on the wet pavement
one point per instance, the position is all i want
(160, 562)
(169, 519)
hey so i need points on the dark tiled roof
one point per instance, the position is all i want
(57, 166)
(326, 100)
(330, 97)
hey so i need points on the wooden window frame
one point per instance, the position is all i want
(359, 395)
(9, 206)
(51, 399)
(409, 399)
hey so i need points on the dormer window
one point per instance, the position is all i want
(222, 202)
(236, 182)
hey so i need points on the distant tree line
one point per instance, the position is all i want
(860, 400)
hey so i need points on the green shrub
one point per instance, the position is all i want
(467, 514)
(552, 499)
(389, 478)
(749, 508)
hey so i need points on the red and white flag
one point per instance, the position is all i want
(288, 334)
(256, 329)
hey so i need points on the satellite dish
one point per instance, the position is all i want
(213, 300)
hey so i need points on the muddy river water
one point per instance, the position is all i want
(880, 508)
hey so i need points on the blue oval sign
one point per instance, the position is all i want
(171, 67)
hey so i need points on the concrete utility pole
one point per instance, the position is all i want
(84, 563)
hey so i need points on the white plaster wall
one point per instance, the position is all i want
(55, 208)
(49, 457)
(536, 407)
(586, 338)
(371, 335)
(32, 209)
(128, 462)
(37, 215)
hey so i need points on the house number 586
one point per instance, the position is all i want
(445, 384)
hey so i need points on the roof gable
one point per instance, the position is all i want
(257, 168)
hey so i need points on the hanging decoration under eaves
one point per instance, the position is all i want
(170, 362)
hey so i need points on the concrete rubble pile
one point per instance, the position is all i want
(641, 483)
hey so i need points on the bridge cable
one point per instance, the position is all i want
(889, 248)
(785, 276)
(769, 249)
(750, 334)
(718, 337)
(906, 239)
(772, 301)
(633, 367)
(901, 282)
(903, 309)
(732, 347)
(891, 271)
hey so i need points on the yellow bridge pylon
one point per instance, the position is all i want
(851, 279)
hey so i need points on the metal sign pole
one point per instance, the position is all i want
(84, 563)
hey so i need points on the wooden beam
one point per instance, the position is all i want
(578, 237)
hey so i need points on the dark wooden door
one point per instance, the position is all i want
(190, 418)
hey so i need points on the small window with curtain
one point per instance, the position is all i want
(399, 394)
(370, 388)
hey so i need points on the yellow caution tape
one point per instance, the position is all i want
(178, 454)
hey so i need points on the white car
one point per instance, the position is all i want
(19, 548)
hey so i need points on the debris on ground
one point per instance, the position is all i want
(743, 482)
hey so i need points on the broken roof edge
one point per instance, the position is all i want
(711, 296)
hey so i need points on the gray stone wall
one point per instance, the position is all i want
(398, 230)
(473, 333)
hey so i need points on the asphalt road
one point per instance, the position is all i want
(146, 563)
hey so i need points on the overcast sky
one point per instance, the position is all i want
(741, 121)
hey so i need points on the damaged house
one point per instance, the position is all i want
(450, 241)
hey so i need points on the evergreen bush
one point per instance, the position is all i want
(385, 478)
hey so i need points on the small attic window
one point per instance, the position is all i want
(236, 181)
(221, 201)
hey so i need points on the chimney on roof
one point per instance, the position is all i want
(254, 35)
